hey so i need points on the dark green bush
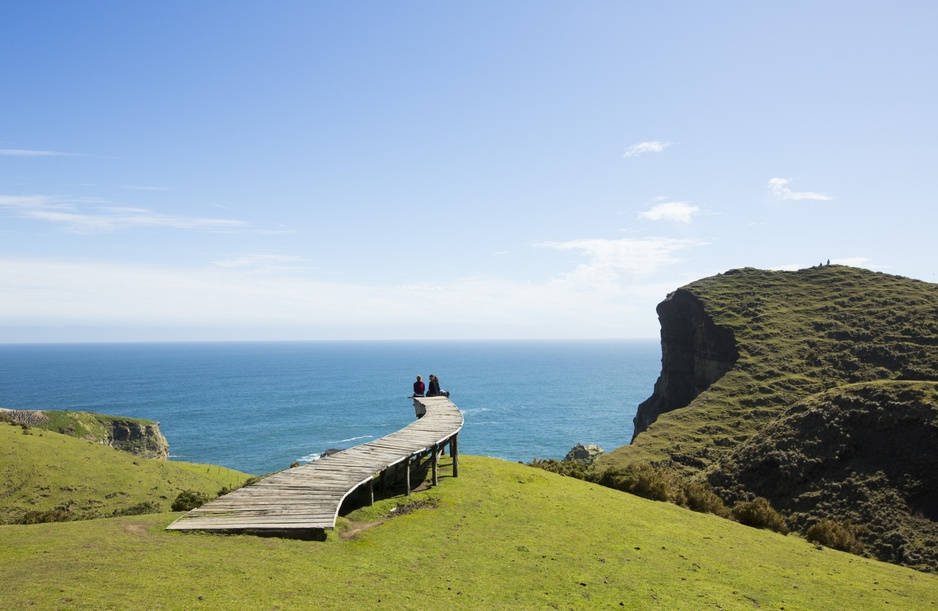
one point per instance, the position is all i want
(43, 517)
(569, 468)
(642, 480)
(700, 498)
(189, 500)
(139, 509)
(759, 513)
(835, 535)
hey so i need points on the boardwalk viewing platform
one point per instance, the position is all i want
(310, 496)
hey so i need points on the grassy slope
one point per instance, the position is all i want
(44, 470)
(799, 333)
(502, 536)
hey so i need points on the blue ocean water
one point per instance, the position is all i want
(257, 407)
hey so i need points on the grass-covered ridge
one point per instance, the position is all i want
(830, 410)
(798, 333)
(501, 536)
(134, 435)
(48, 475)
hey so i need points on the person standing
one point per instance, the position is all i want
(419, 387)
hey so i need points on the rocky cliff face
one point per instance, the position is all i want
(140, 437)
(695, 353)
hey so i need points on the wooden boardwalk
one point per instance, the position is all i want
(309, 496)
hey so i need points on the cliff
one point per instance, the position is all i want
(137, 436)
(695, 353)
(757, 368)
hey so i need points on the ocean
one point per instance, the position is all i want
(258, 407)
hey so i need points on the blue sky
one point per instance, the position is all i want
(390, 170)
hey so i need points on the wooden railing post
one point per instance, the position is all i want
(436, 463)
(454, 452)
(407, 474)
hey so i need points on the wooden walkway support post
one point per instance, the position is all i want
(407, 477)
(454, 452)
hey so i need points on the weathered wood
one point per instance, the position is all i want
(454, 452)
(407, 476)
(309, 496)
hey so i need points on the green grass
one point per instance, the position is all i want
(501, 536)
(812, 341)
(798, 334)
(41, 471)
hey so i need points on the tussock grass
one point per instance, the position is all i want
(501, 536)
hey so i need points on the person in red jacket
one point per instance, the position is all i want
(419, 387)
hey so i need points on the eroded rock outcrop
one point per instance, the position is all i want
(134, 435)
(140, 438)
(584, 454)
(695, 353)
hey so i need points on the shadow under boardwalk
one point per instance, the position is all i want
(310, 496)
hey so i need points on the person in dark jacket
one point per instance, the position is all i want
(419, 387)
(434, 389)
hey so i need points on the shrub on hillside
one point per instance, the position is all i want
(644, 480)
(42, 517)
(759, 513)
(641, 479)
(569, 468)
(701, 498)
(835, 535)
(139, 509)
(187, 500)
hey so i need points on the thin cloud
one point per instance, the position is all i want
(678, 212)
(103, 217)
(262, 262)
(608, 259)
(187, 301)
(653, 146)
(33, 153)
(780, 188)
(143, 188)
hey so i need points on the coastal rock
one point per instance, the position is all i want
(140, 437)
(695, 353)
(584, 454)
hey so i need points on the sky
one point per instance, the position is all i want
(286, 170)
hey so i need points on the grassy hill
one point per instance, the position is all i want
(810, 343)
(797, 333)
(501, 536)
(47, 475)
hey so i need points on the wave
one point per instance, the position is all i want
(476, 410)
(355, 438)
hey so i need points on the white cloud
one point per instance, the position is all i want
(780, 188)
(852, 262)
(32, 153)
(613, 293)
(105, 217)
(262, 262)
(641, 148)
(680, 212)
(608, 259)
